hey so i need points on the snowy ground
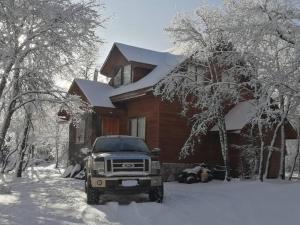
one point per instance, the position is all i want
(42, 197)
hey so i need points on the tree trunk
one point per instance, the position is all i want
(28, 158)
(261, 154)
(23, 147)
(6, 159)
(282, 153)
(5, 74)
(224, 147)
(56, 144)
(298, 150)
(10, 111)
(285, 110)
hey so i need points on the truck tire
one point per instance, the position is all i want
(157, 194)
(92, 195)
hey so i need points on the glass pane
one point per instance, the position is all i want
(80, 132)
(133, 127)
(127, 74)
(117, 78)
(141, 127)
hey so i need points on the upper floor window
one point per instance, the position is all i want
(127, 74)
(118, 78)
(195, 72)
(123, 76)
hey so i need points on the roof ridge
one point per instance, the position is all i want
(142, 48)
(92, 81)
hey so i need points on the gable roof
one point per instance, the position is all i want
(141, 55)
(165, 62)
(238, 116)
(96, 92)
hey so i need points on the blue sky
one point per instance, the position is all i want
(142, 22)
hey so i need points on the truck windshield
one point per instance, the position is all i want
(120, 144)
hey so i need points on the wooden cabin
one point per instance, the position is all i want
(126, 105)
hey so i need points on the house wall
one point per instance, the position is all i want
(92, 130)
(174, 130)
(145, 106)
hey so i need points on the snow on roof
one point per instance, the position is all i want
(238, 116)
(165, 62)
(96, 92)
(142, 55)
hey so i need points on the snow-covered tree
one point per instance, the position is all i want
(208, 82)
(40, 40)
(269, 30)
(265, 38)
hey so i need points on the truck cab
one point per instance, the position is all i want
(122, 164)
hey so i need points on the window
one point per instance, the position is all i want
(118, 144)
(123, 76)
(127, 74)
(80, 132)
(195, 71)
(229, 80)
(137, 127)
(118, 78)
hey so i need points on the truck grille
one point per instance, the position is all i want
(129, 165)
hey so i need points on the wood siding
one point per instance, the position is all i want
(173, 133)
(146, 106)
(110, 125)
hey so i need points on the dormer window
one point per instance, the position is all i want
(123, 76)
(118, 78)
(127, 74)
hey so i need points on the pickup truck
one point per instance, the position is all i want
(122, 164)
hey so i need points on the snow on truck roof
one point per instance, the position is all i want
(99, 93)
(238, 116)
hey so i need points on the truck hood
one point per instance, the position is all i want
(122, 155)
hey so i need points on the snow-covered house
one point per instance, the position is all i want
(126, 105)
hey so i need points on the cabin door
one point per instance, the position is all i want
(110, 126)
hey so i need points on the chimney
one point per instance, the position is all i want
(96, 75)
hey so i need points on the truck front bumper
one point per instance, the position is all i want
(117, 184)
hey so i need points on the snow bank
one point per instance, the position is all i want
(52, 200)
(4, 190)
(68, 171)
(75, 170)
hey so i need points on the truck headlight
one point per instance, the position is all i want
(155, 167)
(99, 166)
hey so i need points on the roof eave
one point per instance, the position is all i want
(130, 95)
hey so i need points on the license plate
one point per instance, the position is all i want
(129, 183)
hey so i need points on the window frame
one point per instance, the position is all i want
(130, 74)
(121, 70)
(80, 139)
(137, 126)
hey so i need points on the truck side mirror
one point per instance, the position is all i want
(86, 151)
(155, 151)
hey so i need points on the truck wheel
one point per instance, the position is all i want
(92, 195)
(157, 194)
